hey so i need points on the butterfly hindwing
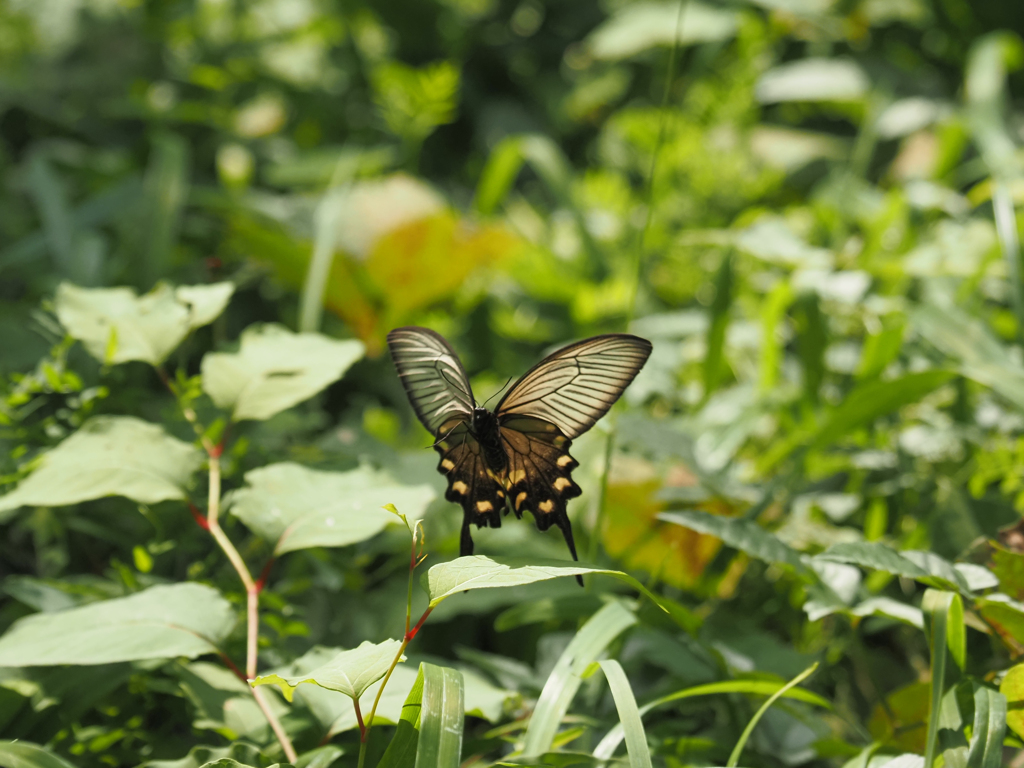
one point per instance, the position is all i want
(470, 483)
(539, 475)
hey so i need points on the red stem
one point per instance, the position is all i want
(412, 632)
(262, 580)
(201, 521)
(233, 667)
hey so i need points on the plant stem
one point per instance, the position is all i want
(252, 588)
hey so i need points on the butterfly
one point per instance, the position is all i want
(515, 457)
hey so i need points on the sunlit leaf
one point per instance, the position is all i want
(813, 80)
(441, 718)
(350, 672)
(109, 456)
(297, 508)
(25, 754)
(275, 369)
(479, 572)
(640, 26)
(184, 619)
(1012, 689)
(116, 325)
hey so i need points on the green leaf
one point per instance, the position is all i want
(872, 554)
(941, 572)
(944, 614)
(297, 508)
(161, 622)
(589, 642)
(116, 325)
(629, 716)
(644, 25)
(275, 369)
(744, 535)
(745, 736)
(606, 748)
(350, 672)
(813, 79)
(441, 718)
(479, 572)
(875, 399)
(109, 456)
(990, 717)
(224, 703)
(1004, 613)
(25, 754)
(243, 753)
(401, 751)
(1012, 688)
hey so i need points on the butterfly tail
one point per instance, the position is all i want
(466, 542)
(566, 528)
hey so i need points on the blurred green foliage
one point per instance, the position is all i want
(807, 205)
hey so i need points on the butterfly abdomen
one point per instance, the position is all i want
(485, 429)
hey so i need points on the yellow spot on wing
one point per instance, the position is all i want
(520, 499)
(516, 475)
(562, 482)
(460, 487)
(484, 506)
(447, 463)
(547, 506)
(564, 460)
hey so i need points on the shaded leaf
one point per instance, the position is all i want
(185, 619)
(25, 754)
(275, 369)
(644, 25)
(109, 456)
(296, 507)
(744, 535)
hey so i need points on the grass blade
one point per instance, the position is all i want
(986, 750)
(629, 715)
(939, 608)
(607, 746)
(441, 718)
(734, 758)
(564, 680)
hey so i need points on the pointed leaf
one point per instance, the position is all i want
(275, 369)
(160, 622)
(109, 456)
(744, 535)
(298, 507)
(479, 572)
(350, 672)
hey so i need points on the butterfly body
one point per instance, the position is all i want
(515, 457)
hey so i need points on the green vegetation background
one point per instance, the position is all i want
(808, 206)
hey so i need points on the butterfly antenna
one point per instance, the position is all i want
(498, 392)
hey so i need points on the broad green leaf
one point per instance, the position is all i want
(588, 644)
(1012, 688)
(606, 748)
(644, 25)
(745, 736)
(350, 672)
(25, 754)
(109, 456)
(990, 719)
(1005, 614)
(296, 507)
(223, 703)
(941, 572)
(479, 572)
(813, 79)
(116, 325)
(161, 622)
(275, 369)
(744, 535)
(629, 716)
(441, 718)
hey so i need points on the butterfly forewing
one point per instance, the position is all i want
(432, 375)
(575, 386)
(469, 482)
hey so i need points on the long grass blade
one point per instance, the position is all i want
(629, 715)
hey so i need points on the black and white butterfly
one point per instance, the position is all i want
(516, 456)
